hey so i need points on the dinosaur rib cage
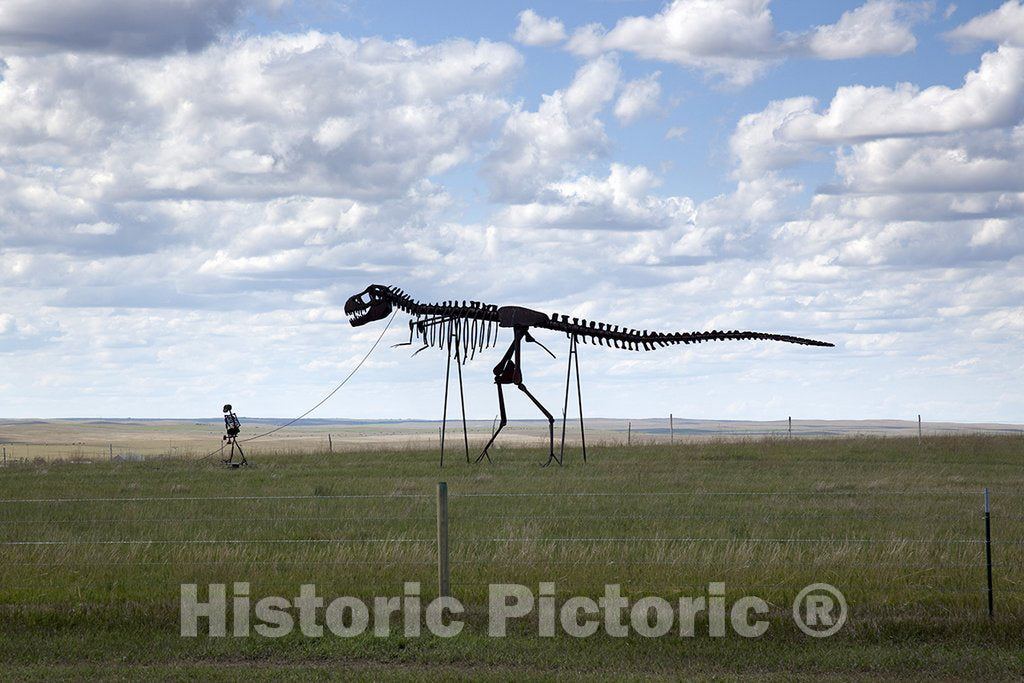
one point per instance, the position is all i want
(460, 329)
(468, 327)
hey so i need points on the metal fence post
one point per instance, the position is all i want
(443, 577)
(988, 553)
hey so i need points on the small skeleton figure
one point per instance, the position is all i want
(232, 426)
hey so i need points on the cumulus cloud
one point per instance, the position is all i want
(990, 96)
(621, 201)
(534, 29)
(878, 27)
(125, 27)
(789, 131)
(983, 162)
(538, 147)
(757, 145)
(638, 97)
(309, 114)
(736, 40)
(1004, 25)
(733, 39)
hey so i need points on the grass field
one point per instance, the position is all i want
(896, 525)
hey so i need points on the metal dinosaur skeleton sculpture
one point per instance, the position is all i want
(463, 329)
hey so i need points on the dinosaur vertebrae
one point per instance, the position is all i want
(460, 329)
(473, 325)
(624, 338)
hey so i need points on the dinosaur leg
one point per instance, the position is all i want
(505, 372)
(504, 421)
(551, 424)
(241, 453)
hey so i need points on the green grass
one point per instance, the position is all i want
(896, 525)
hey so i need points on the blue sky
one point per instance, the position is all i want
(190, 190)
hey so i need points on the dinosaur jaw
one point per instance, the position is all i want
(367, 306)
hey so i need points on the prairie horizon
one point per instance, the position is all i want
(96, 438)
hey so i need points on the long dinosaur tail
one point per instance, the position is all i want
(625, 338)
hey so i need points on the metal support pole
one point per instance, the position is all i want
(629, 433)
(573, 356)
(790, 425)
(919, 428)
(443, 576)
(671, 430)
(565, 404)
(988, 553)
(579, 397)
(462, 399)
(444, 413)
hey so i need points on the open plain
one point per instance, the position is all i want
(96, 550)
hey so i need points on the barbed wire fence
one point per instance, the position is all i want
(465, 540)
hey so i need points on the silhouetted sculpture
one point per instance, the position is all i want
(232, 426)
(466, 328)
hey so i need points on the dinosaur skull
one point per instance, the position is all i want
(368, 305)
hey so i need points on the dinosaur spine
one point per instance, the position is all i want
(466, 328)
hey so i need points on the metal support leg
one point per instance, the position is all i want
(551, 425)
(231, 456)
(579, 396)
(501, 424)
(565, 404)
(444, 411)
(462, 399)
(574, 357)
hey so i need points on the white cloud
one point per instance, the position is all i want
(255, 119)
(990, 96)
(621, 201)
(534, 29)
(759, 147)
(982, 162)
(734, 39)
(789, 131)
(676, 133)
(878, 27)
(1004, 25)
(120, 26)
(638, 97)
(535, 148)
